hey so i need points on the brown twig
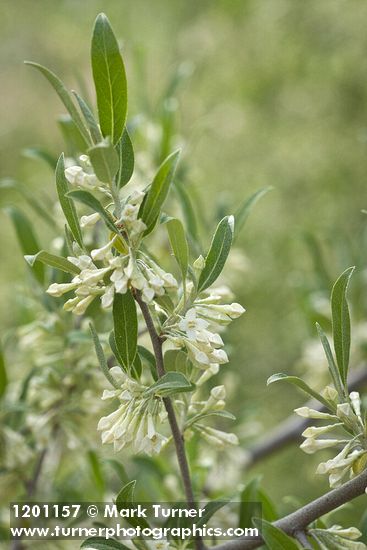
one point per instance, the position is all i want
(298, 521)
(290, 430)
(176, 432)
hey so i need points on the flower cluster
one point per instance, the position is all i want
(82, 175)
(352, 457)
(194, 331)
(201, 409)
(121, 268)
(338, 537)
(135, 421)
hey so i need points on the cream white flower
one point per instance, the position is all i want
(191, 324)
(89, 221)
(134, 423)
(312, 445)
(306, 412)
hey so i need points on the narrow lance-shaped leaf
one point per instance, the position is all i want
(169, 384)
(333, 369)
(67, 205)
(178, 242)
(75, 142)
(280, 377)
(97, 471)
(125, 327)
(218, 253)
(65, 97)
(39, 206)
(89, 200)
(188, 213)
(40, 154)
(126, 156)
(53, 261)
(94, 130)
(274, 537)
(101, 357)
(105, 161)
(27, 239)
(157, 194)
(341, 322)
(245, 209)
(125, 499)
(3, 374)
(109, 79)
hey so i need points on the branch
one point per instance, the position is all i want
(290, 429)
(176, 433)
(298, 521)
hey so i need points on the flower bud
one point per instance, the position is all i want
(199, 263)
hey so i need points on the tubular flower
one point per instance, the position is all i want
(82, 176)
(194, 331)
(134, 423)
(117, 275)
(353, 455)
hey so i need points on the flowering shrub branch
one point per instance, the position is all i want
(300, 520)
(109, 279)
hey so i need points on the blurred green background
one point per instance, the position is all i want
(278, 96)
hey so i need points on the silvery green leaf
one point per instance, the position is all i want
(89, 200)
(91, 122)
(38, 207)
(97, 471)
(3, 374)
(169, 384)
(53, 261)
(218, 253)
(112, 342)
(99, 543)
(118, 468)
(341, 322)
(249, 506)
(27, 239)
(280, 377)
(40, 154)
(199, 417)
(331, 541)
(149, 359)
(126, 494)
(109, 79)
(126, 159)
(178, 242)
(137, 367)
(65, 97)
(105, 161)
(244, 210)
(158, 191)
(101, 357)
(254, 502)
(125, 322)
(188, 212)
(333, 369)
(74, 140)
(67, 205)
(125, 499)
(274, 537)
(210, 509)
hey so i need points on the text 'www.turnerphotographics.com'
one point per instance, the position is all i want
(43, 521)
